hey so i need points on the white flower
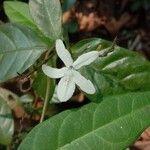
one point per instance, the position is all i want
(69, 74)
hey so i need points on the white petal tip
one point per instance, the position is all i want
(53, 72)
(61, 99)
(58, 40)
(91, 91)
(66, 88)
(85, 59)
(44, 68)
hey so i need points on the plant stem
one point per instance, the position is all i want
(46, 100)
(52, 54)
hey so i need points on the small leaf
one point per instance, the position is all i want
(41, 80)
(19, 49)
(40, 84)
(113, 124)
(118, 72)
(47, 15)
(6, 120)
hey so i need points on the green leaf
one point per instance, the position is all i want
(41, 80)
(47, 15)
(19, 49)
(113, 124)
(120, 71)
(6, 120)
(40, 85)
(87, 45)
(18, 12)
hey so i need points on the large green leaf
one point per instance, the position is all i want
(6, 120)
(119, 72)
(19, 49)
(111, 125)
(47, 15)
(18, 12)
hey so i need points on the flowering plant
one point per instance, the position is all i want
(115, 106)
(69, 76)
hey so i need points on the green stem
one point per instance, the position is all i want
(46, 100)
(43, 62)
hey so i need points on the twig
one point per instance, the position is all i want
(47, 56)
(46, 100)
(109, 49)
(37, 67)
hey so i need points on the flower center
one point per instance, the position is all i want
(70, 68)
(70, 71)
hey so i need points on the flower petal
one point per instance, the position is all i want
(84, 84)
(85, 59)
(54, 72)
(66, 88)
(63, 53)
